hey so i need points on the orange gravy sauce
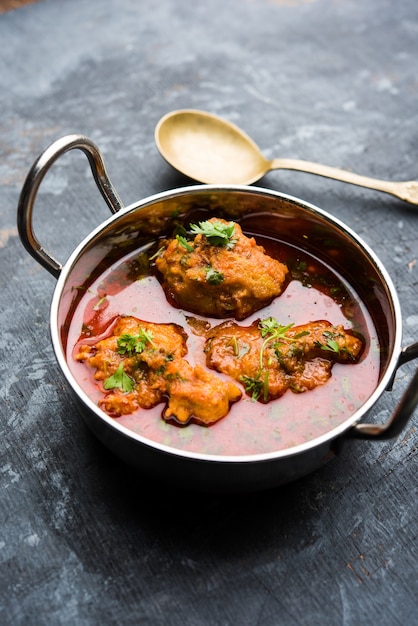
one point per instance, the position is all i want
(313, 292)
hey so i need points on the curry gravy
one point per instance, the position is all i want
(313, 292)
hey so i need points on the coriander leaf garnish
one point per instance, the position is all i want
(217, 233)
(270, 326)
(271, 330)
(214, 277)
(253, 386)
(183, 242)
(239, 349)
(119, 380)
(331, 345)
(134, 344)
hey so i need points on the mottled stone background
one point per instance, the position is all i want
(82, 539)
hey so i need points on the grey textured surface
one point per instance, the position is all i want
(84, 541)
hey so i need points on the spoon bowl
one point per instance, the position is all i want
(211, 150)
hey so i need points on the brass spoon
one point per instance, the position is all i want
(211, 150)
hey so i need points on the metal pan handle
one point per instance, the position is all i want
(34, 179)
(397, 421)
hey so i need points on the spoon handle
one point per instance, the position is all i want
(407, 190)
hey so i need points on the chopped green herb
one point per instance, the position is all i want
(239, 350)
(270, 330)
(134, 344)
(213, 276)
(301, 266)
(331, 345)
(119, 380)
(159, 252)
(266, 386)
(270, 326)
(217, 233)
(183, 242)
(233, 341)
(172, 376)
(100, 299)
(253, 386)
(99, 303)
